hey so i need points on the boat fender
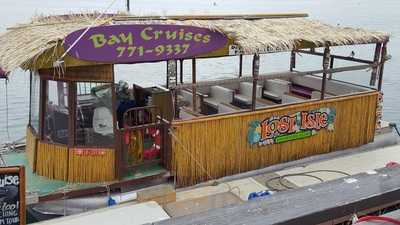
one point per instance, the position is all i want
(254, 195)
(111, 201)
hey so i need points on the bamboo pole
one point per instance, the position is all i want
(377, 56)
(325, 64)
(256, 71)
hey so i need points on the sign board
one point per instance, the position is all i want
(279, 129)
(89, 152)
(143, 43)
(12, 196)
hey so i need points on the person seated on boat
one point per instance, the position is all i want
(102, 116)
(125, 101)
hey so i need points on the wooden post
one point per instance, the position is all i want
(377, 56)
(292, 60)
(240, 65)
(194, 91)
(331, 67)
(72, 114)
(128, 5)
(325, 65)
(118, 137)
(30, 96)
(42, 107)
(255, 72)
(382, 66)
(181, 70)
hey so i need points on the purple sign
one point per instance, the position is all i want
(143, 43)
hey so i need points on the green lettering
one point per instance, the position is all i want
(206, 39)
(144, 35)
(188, 36)
(113, 40)
(126, 38)
(170, 35)
(197, 37)
(98, 40)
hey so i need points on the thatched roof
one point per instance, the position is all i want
(21, 45)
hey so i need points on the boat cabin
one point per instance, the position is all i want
(85, 126)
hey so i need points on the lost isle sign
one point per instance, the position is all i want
(279, 129)
(142, 43)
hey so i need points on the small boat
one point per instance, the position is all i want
(89, 134)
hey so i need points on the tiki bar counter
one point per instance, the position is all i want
(85, 126)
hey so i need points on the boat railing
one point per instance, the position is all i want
(143, 139)
(140, 116)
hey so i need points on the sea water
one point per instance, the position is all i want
(376, 15)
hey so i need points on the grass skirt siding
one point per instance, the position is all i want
(31, 146)
(52, 161)
(94, 168)
(60, 163)
(213, 147)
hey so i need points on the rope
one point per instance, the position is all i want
(380, 219)
(199, 164)
(7, 128)
(59, 61)
(305, 174)
(394, 125)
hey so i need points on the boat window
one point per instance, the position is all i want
(35, 96)
(94, 117)
(56, 112)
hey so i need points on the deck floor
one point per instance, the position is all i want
(44, 186)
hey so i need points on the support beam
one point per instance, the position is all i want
(30, 96)
(292, 60)
(275, 75)
(240, 65)
(194, 91)
(352, 59)
(377, 56)
(325, 65)
(382, 65)
(256, 71)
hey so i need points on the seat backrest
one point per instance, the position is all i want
(277, 86)
(222, 94)
(333, 87)
(246, 88)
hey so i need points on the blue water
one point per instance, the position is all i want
(377, 15)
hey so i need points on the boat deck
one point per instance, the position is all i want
(42, 186)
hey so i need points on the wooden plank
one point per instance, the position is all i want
(214, 17)
(98, 73)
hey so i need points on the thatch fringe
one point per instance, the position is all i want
(22, 45)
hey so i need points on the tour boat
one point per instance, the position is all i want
(89, 133)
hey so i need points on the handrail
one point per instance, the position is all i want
(140, 115)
